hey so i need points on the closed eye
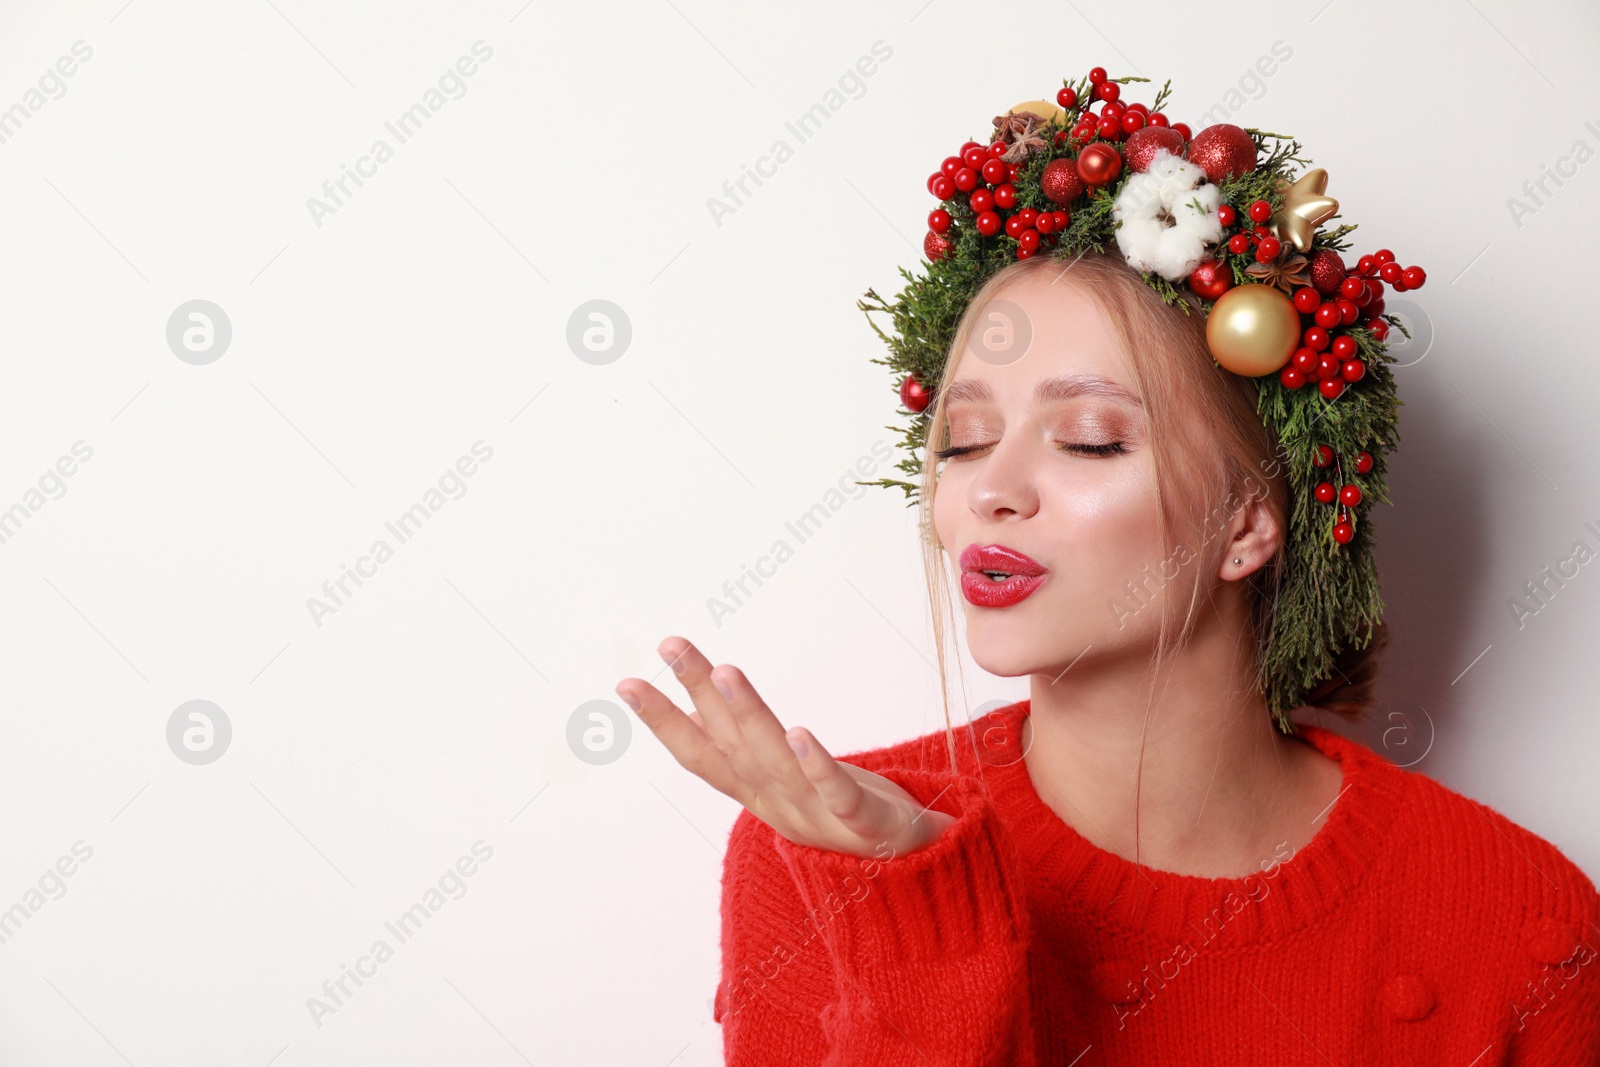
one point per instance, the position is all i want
(1112, 448)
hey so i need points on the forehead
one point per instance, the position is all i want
(1068, 345)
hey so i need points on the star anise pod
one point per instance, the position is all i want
(1020, 130)
(1287, 274)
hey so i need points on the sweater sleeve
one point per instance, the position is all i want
(906, 959)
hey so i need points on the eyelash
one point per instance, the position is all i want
(1115, 448)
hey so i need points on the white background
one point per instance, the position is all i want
(429, 312)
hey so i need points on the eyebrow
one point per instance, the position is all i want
(1061, 388)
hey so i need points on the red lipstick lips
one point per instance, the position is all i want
(994, 576)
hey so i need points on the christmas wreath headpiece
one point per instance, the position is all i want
(1223, 214)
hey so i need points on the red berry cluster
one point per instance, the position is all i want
(1337, 299)
(989, 184)
(1115, 120)
(1347, 494)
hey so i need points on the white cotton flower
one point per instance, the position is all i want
(1167, 216)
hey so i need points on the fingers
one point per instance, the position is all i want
(694, 674)
(835, 787)
(763, 734)
(689, 744)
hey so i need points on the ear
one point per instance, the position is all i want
(1254, 537)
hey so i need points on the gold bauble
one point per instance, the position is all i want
(1044, 109)
(1253, 329)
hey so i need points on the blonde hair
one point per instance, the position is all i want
(1183, 390)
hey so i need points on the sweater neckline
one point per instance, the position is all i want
(1165, 908)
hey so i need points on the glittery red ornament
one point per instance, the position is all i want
(1143, 144)
(913, 395)
(1099, 164)
(1223, 151)
(1327, 271)
(936, 246)
(1060, 181)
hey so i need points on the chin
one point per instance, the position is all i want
(1011, 648)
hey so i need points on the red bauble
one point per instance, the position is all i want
(1353, 370)
(1067, 97)
(1143, 144)
(1332, 387)
(1210, 279)
(1005, 196)
(1363, 462)
(936, 246)
(1325, 492)
(913, 395)
(1343, 533)
(1060, 181)
(1350, 496)
(1099, 164)
(1222, 151)
(1290, 378)
(1323, 457)
(939, 220)
(1327, 271)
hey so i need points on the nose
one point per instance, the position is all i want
(1005, 489)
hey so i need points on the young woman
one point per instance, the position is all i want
(1137, 864)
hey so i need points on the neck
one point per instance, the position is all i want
(1218, 790)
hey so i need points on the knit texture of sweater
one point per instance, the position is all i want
(1416, 927)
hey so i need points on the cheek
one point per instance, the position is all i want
(950, 494)
(1108, 515)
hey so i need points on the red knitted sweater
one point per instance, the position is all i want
(1417, 927)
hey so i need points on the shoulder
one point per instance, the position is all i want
(1493, 880)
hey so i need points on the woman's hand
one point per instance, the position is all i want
(735, 743)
